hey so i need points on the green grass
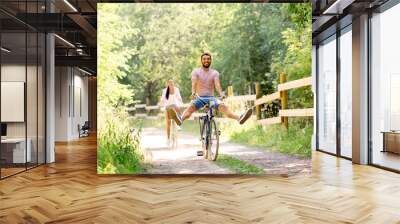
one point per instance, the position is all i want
(296, 140)
(119, 149)
(237, 165)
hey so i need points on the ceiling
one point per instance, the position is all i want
(73, 21)
(330, 15)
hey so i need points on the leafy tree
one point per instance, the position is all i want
(249, 43)
(297, 61)
(112, 57)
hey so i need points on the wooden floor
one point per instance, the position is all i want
(386, 159)
(70, 191)
(10, 171)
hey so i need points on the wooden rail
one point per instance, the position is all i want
(268, 121)
(137, 106)
(267, 98)
(295, 84)
(152, 107)
(141, 115)
(138, 116)
(130, 109)
(308, 112)
(242, 98)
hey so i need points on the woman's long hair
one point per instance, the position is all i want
(167, 93)
(168, 90)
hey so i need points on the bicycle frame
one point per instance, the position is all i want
(205, 121)
(207, 118)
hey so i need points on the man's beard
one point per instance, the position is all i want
(206, 66)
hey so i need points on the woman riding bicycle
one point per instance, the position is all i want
(170, 98)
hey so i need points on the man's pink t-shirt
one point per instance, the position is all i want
(205, 81)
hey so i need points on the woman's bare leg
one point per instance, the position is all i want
(168, 124)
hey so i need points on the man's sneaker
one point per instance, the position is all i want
(243, 117)
(174, 115)
(199, 153)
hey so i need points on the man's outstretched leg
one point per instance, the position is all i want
(241, 119)
(186, 114)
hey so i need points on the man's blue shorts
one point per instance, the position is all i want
(201, 101)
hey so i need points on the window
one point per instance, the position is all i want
(327, 95)
(385, 89)
(23, 84)
(346, 92)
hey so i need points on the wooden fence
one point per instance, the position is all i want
(142, 111)
(281, 94)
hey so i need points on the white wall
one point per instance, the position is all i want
(70, 84)
(33, 126)
(62, 81)
(12, 101)
(12, 73)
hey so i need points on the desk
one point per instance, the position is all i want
(391, 141)
(15, 148)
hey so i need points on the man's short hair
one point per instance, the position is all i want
(206, 53)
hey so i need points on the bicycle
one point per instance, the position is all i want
(209, 133)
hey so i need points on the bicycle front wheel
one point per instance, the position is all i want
(213, 141)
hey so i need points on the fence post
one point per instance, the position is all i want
(284, 100)
(147, 104)
(258, 96)
(230, 90)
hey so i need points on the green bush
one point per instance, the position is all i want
(119, 148)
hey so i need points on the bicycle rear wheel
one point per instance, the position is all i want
(213, 141)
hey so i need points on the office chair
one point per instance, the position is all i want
(84, 130)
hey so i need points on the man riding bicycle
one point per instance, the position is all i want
(204, 80)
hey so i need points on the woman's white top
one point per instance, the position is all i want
(172, 99)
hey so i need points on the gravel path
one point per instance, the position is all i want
(271, 162)
(184, 160)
